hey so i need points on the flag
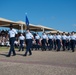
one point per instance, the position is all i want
(27, 22)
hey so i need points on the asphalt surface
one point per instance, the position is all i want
(39, 63)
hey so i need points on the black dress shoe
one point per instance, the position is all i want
(7, 55)
(30, 54)
(72, 50)
(14, 54)
(24, 55)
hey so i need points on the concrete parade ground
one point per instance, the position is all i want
(39, 63)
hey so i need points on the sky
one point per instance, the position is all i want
(57, 14)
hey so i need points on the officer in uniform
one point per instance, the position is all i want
(64, 37)
(58, 40)
(12, 33)
(50, 41)
(29, 38)
(73, 38)
(21, 39)
(68, 41)
(37, 37)
(44, 41)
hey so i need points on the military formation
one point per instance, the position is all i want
(44, 42)
(56, 42)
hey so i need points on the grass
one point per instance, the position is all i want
(6, 48)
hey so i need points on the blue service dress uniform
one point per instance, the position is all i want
(58, 41)
(73, 39)
(12, 34)
(44, 41)
(29, 38)
(68, 42)
(50, 41)
(64, 37)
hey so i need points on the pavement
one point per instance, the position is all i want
(39, 63)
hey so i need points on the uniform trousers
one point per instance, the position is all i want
(28, 46)
(64, 44)
(12, 46)
(72, 45)
(54, 44)
(43, 44)
(50, 41)
(58, 45)
(68, 44)
(21, 45)
(37, 42)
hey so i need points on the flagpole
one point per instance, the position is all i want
(25, 26)
(25, 21)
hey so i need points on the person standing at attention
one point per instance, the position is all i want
(29, 38)
(12, 33)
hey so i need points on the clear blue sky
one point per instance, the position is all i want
(57, 14)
